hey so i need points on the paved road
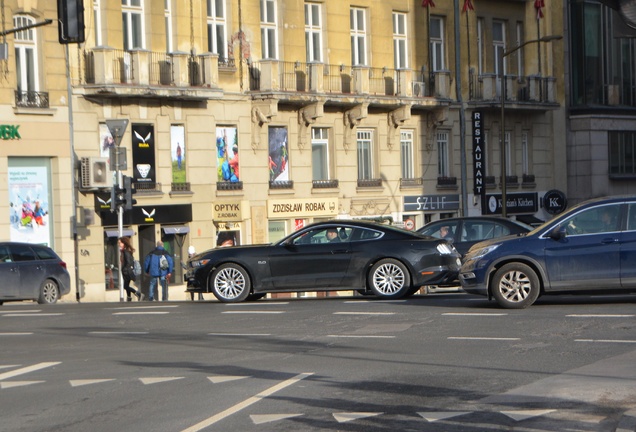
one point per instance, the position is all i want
(443, 362)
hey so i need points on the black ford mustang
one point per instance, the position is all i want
(327, 256)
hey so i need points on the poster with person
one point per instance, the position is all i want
(29, 204)
(177, 153)
(106, 141)
(278, 154)
(227, 154)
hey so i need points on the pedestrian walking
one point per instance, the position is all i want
(191, 253)
(159, 266)
(127, 261)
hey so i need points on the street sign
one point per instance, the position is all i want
(117, 129)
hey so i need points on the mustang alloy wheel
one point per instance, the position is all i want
(515, 286)
(230, 283)
(49, 292)
(389, 279)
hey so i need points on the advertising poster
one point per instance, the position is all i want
(177, 153)
(278, 154)
(143, 152)
(106, 140)
(227, 157)
(29, 205)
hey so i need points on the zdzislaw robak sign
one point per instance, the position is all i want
(294, 208)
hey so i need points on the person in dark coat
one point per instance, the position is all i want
(127, 261)
(153, 269)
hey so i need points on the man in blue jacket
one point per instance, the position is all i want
(154, 268)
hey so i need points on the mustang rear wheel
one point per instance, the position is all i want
(389, 279)
(515, 286)
(49, 292)
(230, 283)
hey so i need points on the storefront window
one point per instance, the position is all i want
(277, 230)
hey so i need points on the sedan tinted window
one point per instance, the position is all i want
(22, 253)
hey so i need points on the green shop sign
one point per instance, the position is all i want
(9, 132)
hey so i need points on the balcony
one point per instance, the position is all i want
(411, 182)
(523, 91)
(324, 184)
(281, 184)
(369, 183)
(446, 182)
(108, 72)
(31, 99)
(300, 82)
(229, 186)
(180, 187)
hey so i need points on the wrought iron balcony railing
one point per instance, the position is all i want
(31, 99)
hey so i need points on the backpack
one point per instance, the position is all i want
(136, 268)
(163, 263)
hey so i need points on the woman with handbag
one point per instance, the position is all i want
(127, 262)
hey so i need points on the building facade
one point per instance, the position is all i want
(247, 119)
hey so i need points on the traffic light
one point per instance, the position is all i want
(129, 191)
(117, 197)
(70, 15)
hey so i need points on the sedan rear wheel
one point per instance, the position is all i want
(49, 292)
(389, 279)
(230, 283)
(515, 286)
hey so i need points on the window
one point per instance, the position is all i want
(320, 153)
(399, 41)
(313, 32)
(437, 43)
(133, 24)
(217, 28)
(525, 153)
(499, 46)
(269, 34)
(519, 53)
(97, 22)
(443, 164)
(593, 220)
(365, 154)
(406, 154)
(622, 153)
(480, 45)
(168, 20)
(358, 37)
(509, 158)
(26, 58)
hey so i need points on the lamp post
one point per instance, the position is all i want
(502, 139)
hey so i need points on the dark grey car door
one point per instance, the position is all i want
(9, 274)
(32, 271)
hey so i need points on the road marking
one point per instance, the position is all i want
(225, 378)
(117, 333)
(143, 307)
(239, 334)
(434, 416)
(364, 313)
(599, 316)
(142, 313)
(361, 336)
(20, 311)
(246, 403)
(16, 334)
(373, 301)
(257, 304)
(10, 384)
(253, 312)
(344, 417)
(31, 315)
(78, 383)
(268, 418)
(526, 414)
(606, 341)
(482, 338)
(27, 369)
(473, 314)
(156, 380)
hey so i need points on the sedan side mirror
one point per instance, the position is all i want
(558, 233)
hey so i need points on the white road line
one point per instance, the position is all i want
(116, 333)
(257, 304)
(253, 312)
(598, 316)
(16, 334)
(607, 341)
(482, 338)
(142, 313)
(31, 315)
(373, 301)
(143, 307)
(20, 311)
(27, 369)
(247, 402)
(473, 314)
(239, 334)
(362, 336)
(364, 313)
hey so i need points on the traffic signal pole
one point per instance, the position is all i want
(120, 227)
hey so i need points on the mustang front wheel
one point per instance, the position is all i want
(230, 283)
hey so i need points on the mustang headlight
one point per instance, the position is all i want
(199, 263)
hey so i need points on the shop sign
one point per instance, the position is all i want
(151, 214)
(9, 132)
(227, 226)
(439, 203)
(277, 209)
(516, 203)
(229, 211)
(555, 201)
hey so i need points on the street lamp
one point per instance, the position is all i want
(502, 140)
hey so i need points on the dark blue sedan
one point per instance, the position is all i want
(589, 248)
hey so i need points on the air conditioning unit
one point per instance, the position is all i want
(418, 89)
(95, 173)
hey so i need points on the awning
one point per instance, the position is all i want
(115, 233)
(529, 219)
(179, 229)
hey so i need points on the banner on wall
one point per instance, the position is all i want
(29, 205)
(227, 154)
(278, 154)
(178, 153)
(143, 152)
